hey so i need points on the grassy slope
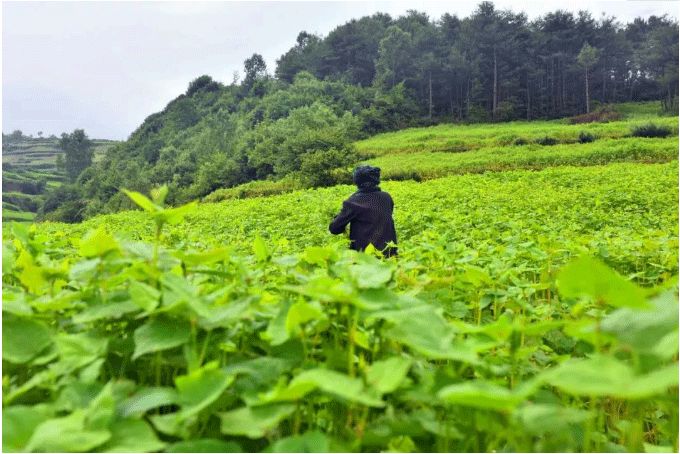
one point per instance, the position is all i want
(425, 153)
(456, 138)
(426, 164)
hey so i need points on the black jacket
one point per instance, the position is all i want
(369, 215)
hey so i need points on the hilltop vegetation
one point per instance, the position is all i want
(296, 128)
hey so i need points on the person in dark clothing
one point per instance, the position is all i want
(368, 213)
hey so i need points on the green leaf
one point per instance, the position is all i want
(78, 350)
(588, 277)
(312, 441)
(205, 257)
(260, 249)
(159, 194)
(176, 215)
(276, 332)
(481, 394)
(423, 329)
(205, 445)
(132, 435)
(254, 422)
(144, 295)
(300, 313)
(318, 255)
(142, 201)
(644, 329)
(101, 410)
(23, 339)
(66, 434)
(105, 311)
(32, 276)
(202, 387)
(385, 376)
(336, 384)
(159, 334)
(8, 258)
(371, 275)
(477, 276)
(658, 448)
(19, 423)
(97, 243)
(603, 375)
(547, 418)
(15, 303)
(146, 399)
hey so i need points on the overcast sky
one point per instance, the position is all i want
(106, 66)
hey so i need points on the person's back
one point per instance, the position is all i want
(369, 214)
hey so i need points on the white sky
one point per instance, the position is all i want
(105, 66)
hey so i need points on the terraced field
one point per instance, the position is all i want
(28, 169)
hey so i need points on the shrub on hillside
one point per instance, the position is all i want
(602, 115)
(651, 130)
(258, 188)
(586, 137)
(547, 141)
(403, 175)
(317, 168)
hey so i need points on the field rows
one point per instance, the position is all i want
(459, 138)
(427, 165)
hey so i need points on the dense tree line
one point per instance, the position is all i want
(497, 64)
(376, 74)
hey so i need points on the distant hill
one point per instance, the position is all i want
(29, 168)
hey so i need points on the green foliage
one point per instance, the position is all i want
(546, 141)
(651, 130)
(78, 152)
(486, 334)
(585, 137)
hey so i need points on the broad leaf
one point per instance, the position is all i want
(142, 201)
(19, 423)
(77, 350)
(603, 375)
(254, 422)
(589, 277)
(132, 435)
(146, 399)
(385, 376)
(481, 394)
(105, 311)
(23, 339)
(66, 434)
(200, 388)
(97, 243)
(144, 296)
(313, 441)
(205, 445)
(160, 334)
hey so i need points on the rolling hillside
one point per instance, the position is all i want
(28, 169)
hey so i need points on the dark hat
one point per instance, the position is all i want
(366, 176)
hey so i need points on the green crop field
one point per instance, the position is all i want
(533, 307)
(457, 138)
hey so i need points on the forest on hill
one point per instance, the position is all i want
(371, 75)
